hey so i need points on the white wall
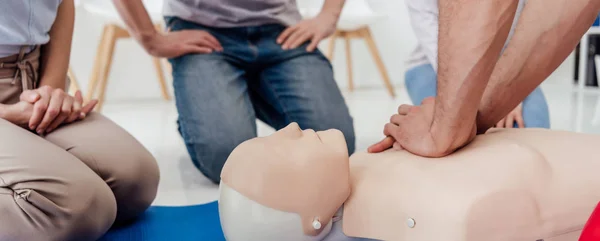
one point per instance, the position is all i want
(132, 76)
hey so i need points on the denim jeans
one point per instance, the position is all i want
(220, 95)
(421, 82)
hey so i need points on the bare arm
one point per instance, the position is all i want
(546, 34)
(471, 36)
(333, 8)
(159, 44)
(137, 20)
(57, 52)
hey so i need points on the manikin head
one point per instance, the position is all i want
(286, 186)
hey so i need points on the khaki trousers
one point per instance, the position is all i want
(72, 184)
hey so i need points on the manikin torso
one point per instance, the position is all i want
(506, 185)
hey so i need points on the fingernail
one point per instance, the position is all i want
(40, 131)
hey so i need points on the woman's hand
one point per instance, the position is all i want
(20, 112)
(54, 107)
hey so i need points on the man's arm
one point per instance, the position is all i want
(471, 37)
(56, 53)
(546, 34)
(158, 44)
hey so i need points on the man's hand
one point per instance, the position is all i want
(54, 107)
(411, 129)
(315, 30)
(515, 115)
(174, 44)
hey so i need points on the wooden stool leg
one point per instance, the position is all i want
(349, 63)
(331, 47)
(366, 33)
(98, 61)
(73, 84)
(161, 78)
(106, 61)
(160, 71)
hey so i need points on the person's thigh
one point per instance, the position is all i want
(48, 194)
(300, 87)
(215, 112)
(535, 110)
(117, 157)
(421, 82)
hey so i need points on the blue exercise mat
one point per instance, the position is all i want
(187, 223)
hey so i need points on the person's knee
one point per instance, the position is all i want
(209, 157)
(78, 206)
(93, 208)
(134, 182)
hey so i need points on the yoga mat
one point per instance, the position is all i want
(186, 223)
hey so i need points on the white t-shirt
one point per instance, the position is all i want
(424, 21)
(25, 23)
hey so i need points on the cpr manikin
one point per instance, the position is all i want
(509, 184)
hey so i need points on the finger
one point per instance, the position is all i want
(203, 41)
(39, 109)
(76, 111)
(314, 42)
(89, 107)
(391, 130)
(295, 35)
(397, 146)
(301, 39)
(520, 121)
(65, 112)
(397, 119)
(29, 96)
(510, 121)
(428, 100)
(404, 109)
(500, 124)
(214, 41)
(197, 49)
(53, 111)
(286, 33)
(383, 145)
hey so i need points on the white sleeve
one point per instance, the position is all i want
(424, 21)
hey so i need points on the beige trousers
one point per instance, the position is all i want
(72, 184)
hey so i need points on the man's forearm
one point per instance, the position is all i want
(333, 8)
(471, 37)
(546, 34)
(137, 19)
(54, 62)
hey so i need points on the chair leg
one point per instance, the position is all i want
(161, 78)
(73, 84)
(349, 64)
(160, 70)
(378, 61)
(331, 47)
(98, 61)
(106, 61)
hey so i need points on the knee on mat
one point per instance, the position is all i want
(88, 212)
(134, 183)
(97, 209)
(210, 159)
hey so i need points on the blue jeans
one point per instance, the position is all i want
(421, 82)
(220, 95)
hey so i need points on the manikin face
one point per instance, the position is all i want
(286, 186)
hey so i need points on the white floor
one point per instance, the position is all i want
(153, 123)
